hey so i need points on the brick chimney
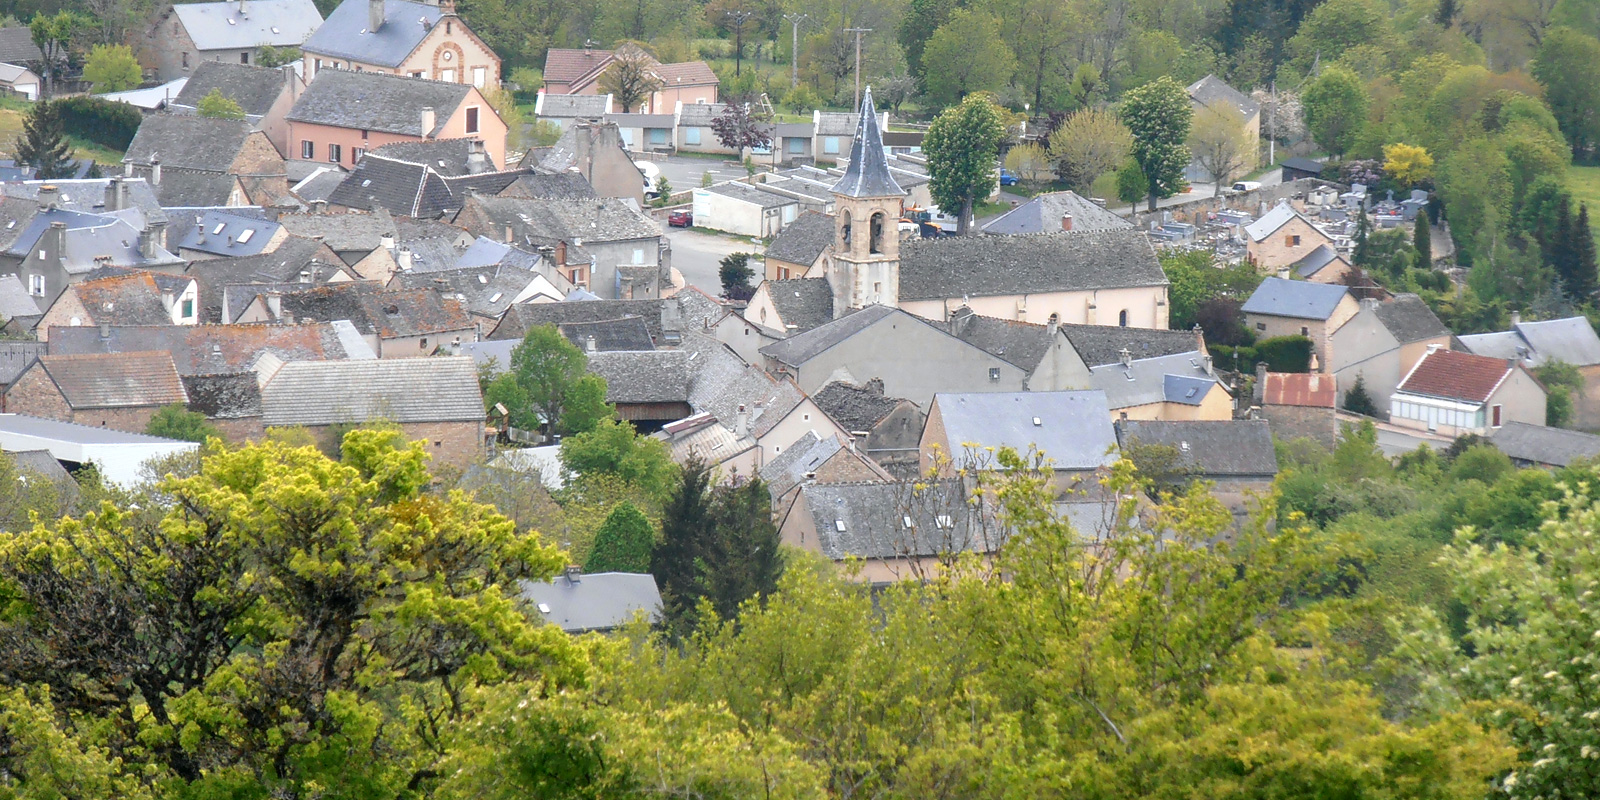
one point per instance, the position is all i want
(1066, 222)
(49, 195)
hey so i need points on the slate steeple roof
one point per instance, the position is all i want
(868, 174)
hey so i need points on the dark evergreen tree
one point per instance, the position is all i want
(1361, 256)
(1358, 400)
(745, 561)
(1446, 13)
(1562, 256)
(687, 532)
(43, 145)
(1422, 241)
(623, 543)
(735, 271)
(1585, 280)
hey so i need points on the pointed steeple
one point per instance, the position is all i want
(868, 174)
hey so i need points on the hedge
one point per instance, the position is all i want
(1280, 354)
(105, 122)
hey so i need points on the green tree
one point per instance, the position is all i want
(43, 145)
(269, 56)
(1337, 26)
(219, 106)
(1132, 185)
(631, 79)
(917, 26)
(1336, 108)
(1568, 66)
(1562, 383)
(544, 368)
(663, 189)
(1422, 241)
(971, 57)
(176, 422)
(585, 406)
(1358, 400)
(623, 543)
(744, 560)
(53, 35)
(735, 273)
(358, 639)
(1158, 116)
(1585, 273)
(678, 558)
(1220, 144)
(961, 146)
(614, 448)
(1089, 143)
(112, 68)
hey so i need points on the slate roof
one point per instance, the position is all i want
(89, 196)
(1571, 340)
(837, 123)
(1300, 389)
(559, 186)
(1541, 445)
(804, 241)
(574, 106)
(1272, 221)
(1303, 164)
(345, 33)
(41, 462)
(234, 395)
(804, 346)
(1044, 212)
(132, 299)
(402, 390)
(1022, 344)
(803, 304)
(1313, 262)
(377, 102)
(1177, 378)
(224, 26)
(601, 219)
(254, 88)
(448, 157)
(984, 266)
(627, 333)
(1278, 297)
(487, 292)
(122, 380)
(17, 47)
(1211, 449)
(855, 408)
(868, 173)
(700, 115)
(522, 317)
(1074, 428)
(188, 142)
(402, 188)
(686, 73)
(1103, 344)
(18, 356)
(224, 234)
(598, 602)
(295, 255)
(343, 233)
(1409, 319)
(788, 469)
(186, 187)
(397, 313)
(643, 376)
(867, 520)
(484, 252)
(206, 349)
(749, 194)
(15, 300)
(1213, 91)
(92, 241)
(1456, 376)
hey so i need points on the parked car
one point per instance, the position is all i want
(1246, 186)
(1006, 178)
(681, 219)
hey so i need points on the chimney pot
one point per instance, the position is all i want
(1516, 318)
(590, 346)
(1066, 222)
(1125, 356)
(155, 172)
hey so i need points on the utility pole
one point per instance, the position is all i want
(739, 18)
(858, 32)
(1272, 124)
(794, 47)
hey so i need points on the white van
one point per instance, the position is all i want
(1246, 186)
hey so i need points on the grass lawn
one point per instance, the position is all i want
(11, 115)
(1585, 185)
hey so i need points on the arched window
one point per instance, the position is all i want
(877, 233)
(1122, 318)
(844, 227)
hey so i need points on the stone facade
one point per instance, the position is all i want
(36, 395)
(1288, 244)
(450, 52)
(449, 444)
(1320, 425)
(1267, 326)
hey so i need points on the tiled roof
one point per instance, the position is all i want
(567, 65)
(1103, 344)
(521, 318)
(373, 101)
(412, 312)
(255, 89)
(121, 380)
(744, 192)
(230, 26)
(402, 188)
(789, 468)
(1541, 445)
(188, 142)
(601, 219)
(986, 266)
(130, 299)
(627, 333)
(1409, 319)
(1073, 429)
(487, 292)
(343, 232)
(867, 520)
(1314, 262)
(188, 187)
(1212, 449)
(700, 115)
(868, 174)
(1456, 376)
(294, 256)
(802, 303)
(1151, 380)
(205, 349)
(345, 33)
(1022, 344)
(686, 73)
(1044, 213)
(1278, 297)
(573, 106)
(223, 234)
(837, 123)
(1571, 340)
(402, 390)
(802, 347)
(1278, 217)
(804, 241)
(448, 157)
(560, 186)
(17, 47)
(18, 356)
(643, 376)
(855, 408)
(1300, 389)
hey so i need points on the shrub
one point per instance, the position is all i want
(1285, 353)
(104, 122)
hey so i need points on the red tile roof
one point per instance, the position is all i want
(687, 73)
(1300, 389)
(116, 380)
(1457, 376)
(566, 66)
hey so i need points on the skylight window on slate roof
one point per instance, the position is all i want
(839, 525)
(245, 236)
(218, 229)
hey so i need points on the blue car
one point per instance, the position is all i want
(1006, 178)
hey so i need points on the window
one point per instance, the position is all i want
(830, 145)
(36, 285)
(638, 255)
(185, 59)
(448, 76)
(1261, 326)
(876, 244)
(994, 374)
(319, 63)
(627, 138)
(783, 275)
(417, 74)
(334, 153)
(308, 149)
(1496, 411)
(795, 145)
(480, 76)
(691, 135)
(449, 27)
(658, 136)
(188, 308)
(1304, 331)
(364, 135)
(1291, 241)
(244, 58)
(472, 119)
(579, 276)
(356, 153)
(1122, 318)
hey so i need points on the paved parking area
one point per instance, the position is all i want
(695, 255)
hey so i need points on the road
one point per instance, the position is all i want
(696, 254)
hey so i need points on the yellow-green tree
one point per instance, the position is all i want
(112, 68)
(1408, 164)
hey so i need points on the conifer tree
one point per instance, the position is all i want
(1362, 254)
(1584, 280)
(43, 145)
(1358, 400)
(1422, 240)
(623, 542)
(686, 529)
(1563, 253)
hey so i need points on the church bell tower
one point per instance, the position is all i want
(866, 207)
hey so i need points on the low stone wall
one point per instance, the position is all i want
(1250, 202)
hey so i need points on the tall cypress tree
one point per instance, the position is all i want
(744, 562)
(1362, 254)
(43, 145)
(687, 535)
(1422, 240)
(1585, 279)
(1563, 253)
(623, 543)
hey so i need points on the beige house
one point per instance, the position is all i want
(189, 34)
(343, 114)
(1281, 307)
(1534, 344)
(1382, 342)
(1213, 95)
(401, 37)
(1282, 237)
(1454, 394)
(578, 71)
(1181, 387)
(135, 297)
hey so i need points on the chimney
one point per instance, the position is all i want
(49, 195)
(105, 330)
(1199, 337)
(561, 252)
(589, 346)
(1066, 222)
(127, 169)
(875, 386)
(573, 573)
(275, 305)
(427, 122)
(403, 259)
(386, 241)
(155, 172)
(1370, 302)
(1516, 318)
(1261, 381)
(509, 238)
(741, 422)
(242, 9)
(113, 187)
(477, 157)
(374, 15)
(1205, 363)
(1125, 357)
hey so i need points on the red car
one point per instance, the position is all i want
(681, 219)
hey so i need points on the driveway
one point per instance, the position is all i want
(685, 172)
(695, 255)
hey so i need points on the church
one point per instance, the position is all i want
(1097, 277)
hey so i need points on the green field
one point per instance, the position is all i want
(1585, 185)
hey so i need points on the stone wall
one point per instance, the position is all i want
(1303, 422)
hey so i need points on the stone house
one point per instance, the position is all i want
(1323, 264)
(578, 72)
(1171, 388)
(179, 153)
(1535, 344)
(612, 236)
(802, 249)
(1281, 307)
(213, 349)
(264, 94)
(434, 400)
(1282, 237)
(789, 306)
(597, 151)
(898, 530)
(396, 323)
(189, 34)
(887, 429)
(51, 248)
(814, 459)
(121, 391)
(1382, 342)
(343, 114)
(402, 37)
(129, 298)
(1453, 394)
(1299, 405)
(1073, 351)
